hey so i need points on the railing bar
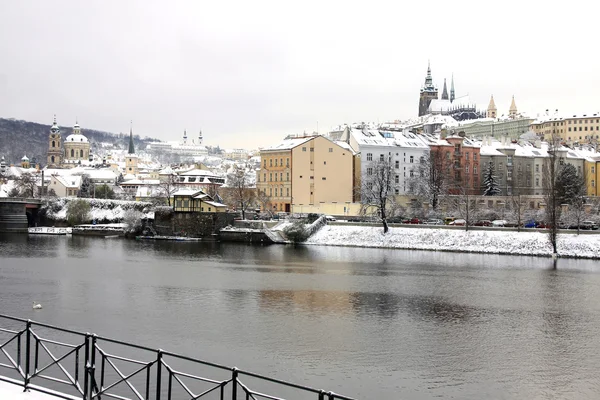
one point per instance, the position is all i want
(57, 362)
(10, 359)
(73, 346)
(76, 365)
(51, 392)
(8, 341)
(188, 375)
(252, 393)
(51, 378)
(13, 318)
(8, 366)
(148, 383)
(170, 385)
(207, 392)
(126, 344)
(124, 378)
(57, 328)
(114, 396)
(273, 380)
(127, 359)
(5, 330)
(197, 361)
(102, 366)
(36, 356)
(341, 397)
(19, 351)
(183, 385)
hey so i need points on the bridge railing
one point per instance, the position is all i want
(74, 365)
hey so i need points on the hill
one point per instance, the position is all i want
(18, 138)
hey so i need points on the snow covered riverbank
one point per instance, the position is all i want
(498, 242)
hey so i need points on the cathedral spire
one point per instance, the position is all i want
(492, 110)
(131, 148)
(445, 91)
(452, 97)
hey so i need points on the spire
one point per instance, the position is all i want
(200, 137)
(54, 119)
(428, 78)
(492, 110)
(512, 111)
(445, 91)
(452, 97)
(131, 148)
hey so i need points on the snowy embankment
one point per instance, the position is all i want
(100, 209)
(498, 242)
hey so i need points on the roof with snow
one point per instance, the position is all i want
(288, 144)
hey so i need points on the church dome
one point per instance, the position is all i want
(76, 138)
(25, 158)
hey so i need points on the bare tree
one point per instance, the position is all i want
(551, 197)
(168, 186)
(429, 180)
(26, 185)
(241, 193)
(377, 190)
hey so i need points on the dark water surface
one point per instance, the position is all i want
(370, 323)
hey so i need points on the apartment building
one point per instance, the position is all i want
(577, 128)
(300, 173)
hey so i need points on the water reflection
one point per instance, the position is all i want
(369, 322)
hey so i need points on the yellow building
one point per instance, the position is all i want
(305, 172)
(584, 128)
(186, 200)
(592, 175)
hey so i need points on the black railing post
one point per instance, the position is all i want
(158, 372)
(92, 368)
(321, 395)
(86, 369)
(234, 378)
(331, 396)
(27, 354)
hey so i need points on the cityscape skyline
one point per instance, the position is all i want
(248, 82)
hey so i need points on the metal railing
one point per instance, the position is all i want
(34, 359)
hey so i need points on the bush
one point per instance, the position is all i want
(133, 221)
(312, 217)
(296, 232)
(78, 212)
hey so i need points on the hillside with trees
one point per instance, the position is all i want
(18, 138)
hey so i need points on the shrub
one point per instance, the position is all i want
(78, 212)
(133, 221)
(296, 232)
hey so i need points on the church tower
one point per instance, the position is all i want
(512, 111)
(492, 110)
(452, 96)
(200, 139)
(184, 137)
(445, 91)
(131, 162)
(428, 93)
(54, 146)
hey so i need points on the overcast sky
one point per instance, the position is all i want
(248, 73)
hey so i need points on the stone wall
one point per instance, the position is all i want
(190, 224)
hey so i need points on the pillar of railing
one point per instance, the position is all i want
(86, 370)
(158, 372)
(92, 367)
(234, 378)
(27, 354)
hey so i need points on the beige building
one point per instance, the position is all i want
(301, 173)
(65, 186)
(582, 128)
(77, 148)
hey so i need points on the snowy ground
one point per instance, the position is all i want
(499, 242)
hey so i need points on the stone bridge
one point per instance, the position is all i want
(17, 214)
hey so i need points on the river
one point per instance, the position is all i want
(368, 323)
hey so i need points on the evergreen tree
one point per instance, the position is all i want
(570, 186)
(85, 190)
(490, 181)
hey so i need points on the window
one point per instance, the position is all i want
(369, 186)
(304, 149)
(275, 162)
(53, 143)
(412, 159)
(324, 162)
(537, 167)
(369, 156)
(281, 176)
(287, 162)
(397, 179)
(412, 174)
(312, 149)
(331, 149)
(271, 162)
(81, 152)
(369, 171)
(312, 177)
(569, 129)
(281, 162)
(265, 163)
(593, 170)
(474, 169)
(467, 168)
(397, 164)
(271, 177)
(381, 158)
(275, 176)
(593, 183)
(287, 176)
(396, 191)
(288, 192)
(264, 177)
(73, 154)
(509, 160)
(467, 156)
(323, 179)
(537, 181)
(270, 191)
(275, 192)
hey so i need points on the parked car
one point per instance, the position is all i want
(483, 222)
(543, 225)
(458, 222)
(414, 221)
(499, 222)
(396, 220)
(330, 218)
(530, 224)
(589, 225)
(447, 220)
(434, 221)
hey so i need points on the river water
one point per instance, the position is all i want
(368, 323)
